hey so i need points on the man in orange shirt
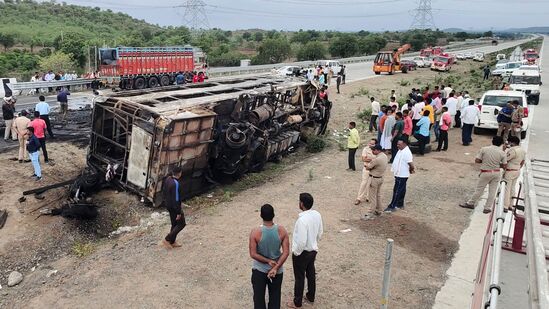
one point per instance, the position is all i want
(40, 127)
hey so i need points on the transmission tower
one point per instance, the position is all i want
(423, 16)
(195, 17)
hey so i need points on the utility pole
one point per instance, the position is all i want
(195, 17)
(423, 16)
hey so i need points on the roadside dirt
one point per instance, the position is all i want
(212, 269)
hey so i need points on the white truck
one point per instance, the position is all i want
(507, 69)
(527, 81)
(492, 102)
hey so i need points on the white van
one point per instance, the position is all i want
(508, 69)
(479, 56)
(492, 102)
(527, 81)
(334, 64)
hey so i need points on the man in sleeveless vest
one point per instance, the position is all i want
(265, 245)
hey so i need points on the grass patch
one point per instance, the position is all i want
(315, 144)
(404, 83)
(82, 249)
(361, 92)
(365, 114)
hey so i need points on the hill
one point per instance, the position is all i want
(529, 30)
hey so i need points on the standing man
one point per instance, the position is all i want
(20, 125)
(353, 141)
(8, 112)
(452, 104)
(515, 161)
(491, 160)
(376, 169)
(364, 189)
(486, 72)
(444, 125)
(393, 95)
(375, 112)
(267, 259)
(504, 120)
(408, 125)
(338, 82)
(33, 146)
(422, 134)
(44, 108)
(62, 98)
(402, 167)
(397, 132)
(417, 112)
(448, 90)
(387, 130)
(172, 200)
(307, 233)
(516, 119)
(469, 118)
(40, 127)
(342, 73)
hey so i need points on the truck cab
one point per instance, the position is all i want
(531, 56)
(442, 62)
(527, 81)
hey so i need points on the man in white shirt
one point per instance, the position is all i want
(452, 104)
(469, 117)
(448, 90)
(402, 167)
(417, 112)
(307, 233)
(375, 112)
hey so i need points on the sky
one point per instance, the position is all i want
(342, 15)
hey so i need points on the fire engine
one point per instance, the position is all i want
(443, 62)
(431, 51)
(531, 55)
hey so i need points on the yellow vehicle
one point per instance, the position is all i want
(389, 62)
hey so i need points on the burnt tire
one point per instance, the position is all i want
(164, 81)
(153, 82)
(139, 83)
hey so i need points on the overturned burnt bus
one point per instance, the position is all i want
(222, 127)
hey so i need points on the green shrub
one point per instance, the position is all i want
(365, 114)
(315, 144)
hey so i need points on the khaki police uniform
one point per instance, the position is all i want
(516, 119)
(377, 169)
(515, 156)
(364, 189)
(490, 174)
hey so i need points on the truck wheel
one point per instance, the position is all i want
(153, 82)
(139, 83)
(377, 73)
(522, 134)
(536, 100)
(404, 70)
(165, 80)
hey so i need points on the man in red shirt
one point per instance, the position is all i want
(40, 127)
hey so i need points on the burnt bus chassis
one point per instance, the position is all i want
(225, 127)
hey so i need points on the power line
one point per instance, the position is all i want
(195, 17)
(423, 16)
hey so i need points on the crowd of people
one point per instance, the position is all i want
(425, 114)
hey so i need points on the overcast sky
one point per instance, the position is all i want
(346, 15)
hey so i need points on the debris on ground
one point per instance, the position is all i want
(154, 219)
(15, 278)
(51, 273)
(3, 217)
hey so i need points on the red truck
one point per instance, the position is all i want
(431, 51)
(443, 62)
(531, 55)
(148, 67)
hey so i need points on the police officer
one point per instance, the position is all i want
(515, 161)
(491, 159)
(377, 169)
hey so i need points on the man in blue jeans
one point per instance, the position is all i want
(422, 134)
(402, 167)
(33, 147)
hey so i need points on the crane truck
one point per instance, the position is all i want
(389, 61)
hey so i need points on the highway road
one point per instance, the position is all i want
(355, 72)
(539, 128)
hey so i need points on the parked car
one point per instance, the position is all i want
(409, 64)
(334, 64)
(423, 62)
(500, 56)
(468, 55)
(532, 67)
(501, 63)
(460, 56)
(492, 102)
(479, 56)
(289, 70)
(508, 69)
(527, 81)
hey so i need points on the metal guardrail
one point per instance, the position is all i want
(53, 84)
(494, 289)
(537, 267)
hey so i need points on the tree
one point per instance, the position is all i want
(58, 61)
(273, 51)
(462, 35)
(371, 44)
(7, 40)
(345, 45)
(312, 51)
(72, 43)
(258, 36)
(246, 36)
(488, 34)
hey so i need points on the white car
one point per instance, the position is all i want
(422, 62)
(468, 55)
(501, 63)
(508, 69)
(492, 102)
(460, 56)
(478, 57)
(530, 67)
(288, 70)
(333, 64)
(527, 81)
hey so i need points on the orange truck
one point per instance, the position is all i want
(389, 61)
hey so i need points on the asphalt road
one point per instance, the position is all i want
(355, 71)
(539, 127)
